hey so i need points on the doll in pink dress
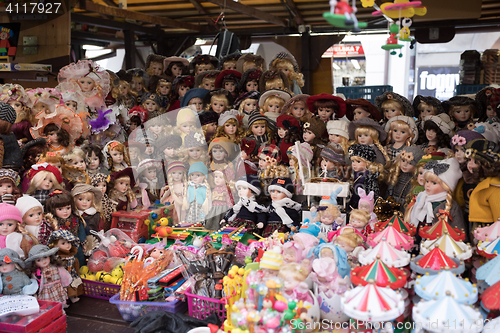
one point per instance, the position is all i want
(326, 276)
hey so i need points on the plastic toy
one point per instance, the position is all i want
(439, 285)
(436, 261)
(343, 15)
(385, 252)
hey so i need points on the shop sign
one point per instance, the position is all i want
(439, 82)
(344, 51)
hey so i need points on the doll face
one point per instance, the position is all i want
(360, 113)
(149, 150)
(42, 262)
(229, 64)
(176, 70)
(327, 219)
(137, 84)
(326, 253)
(194, 153)
(289, 255)
(103, 186)
(164, 88)
(290, 283)
(86, 84)
(258, 129)
(63, 212)
(358, 165)
(273, 107)
(197, 102)
(52, 137)
(177, 176)
(326, 164)
(116, 156)
(7, 268)
(244, 192)
(7, 227)
(134, 153)
(156, 67)
(277, 195)
(203, 68)
(230, 129)
(185, 128)
(230, 86)
(263, 163)
(208, 84)
(431, 135)
(365, 139)
(432, 188)
(472, 166)
(41, 107)
(155, 128)
(71, 105)
(365, 206)
(460, 154)
(33, 216)
(462, 113)
(407, 167)
(218, 154)
(218, 106)
(122, 185)
(157, 253)
(183, 90)
(63, 244)
(390, 112)
(308, 136)
(169, 152)
(123, 89)
(357, 223)
(275, 84)
(281, 132)
(298, 110)
(18, 106)
(427, 110)
(335, 138)
(252, 86)
(325, 113)
(83, 202)
(344, 246)
(150, 105)
(46, 183)
(219, 179)
(490, 112)
(79, 163)
(400, 135)
(420, 176)
(5, 188)
(211, 128)
(150, 174)
(249, 105)
(197, 177)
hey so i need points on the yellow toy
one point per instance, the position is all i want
(232, 288)
(401, 8)
(84, 270)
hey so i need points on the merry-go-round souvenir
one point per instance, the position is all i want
(489, 249)
(440, 228)
(378, 271)
(398, 223)
(385, 252)
(435, 261)
(448, 245)
(489, 272)
(397, 239)
(490, 232)
(436, 286)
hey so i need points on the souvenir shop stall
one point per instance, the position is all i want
(212, 195)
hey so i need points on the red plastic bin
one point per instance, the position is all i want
(201, 307)
(57, 326)
(100, 290)
(49, 312)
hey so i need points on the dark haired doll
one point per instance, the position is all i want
(94, 158)
(58, 138)
(161, 85)
(287, 134)
(180, 86)
(326, 106)
(61, 211)
(175, 66)
(461, 110)
(229, 80)
(30, 153)
(437, 131)
(250, 80)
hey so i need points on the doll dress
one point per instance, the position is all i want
(51, 288)
(222, 201)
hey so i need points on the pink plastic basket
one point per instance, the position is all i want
(130, 311)
(201, 307)
(100, 290)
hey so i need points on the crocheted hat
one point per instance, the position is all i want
(10, 174)
(282, 184)
(364, 151)
(227, 74)
(482, 150)
(272, 259)
(408, 108)
(129, 172)
(198, 79)
(10, 212)
(341, 103)
(228, 145)
(169, 141)
(49, 96)
(151, 96)
(412, 154)
(333, 152)
(288, 105)
(305, 151)
(203, 59)
(443, 121)
(208, 117)
(167, 61)
(284, 56)
(429, 100)
(382, 135)
(287, 122)
(270, 152)
(225, 116)
(338, 127)
(255, 116)
(177, 165)
(198, 167)
(447, 170)
(14, 92)
(154, 58)
(250, 181)
(186, 115)
(257, 59)
(353, 104)
(36, 168)
(252, 74)
(27, 202)
(284, 95)
(64, 234)
(249, 146)
(193, 93)
(315, 125)
(408, 120)
(41, 251)
(86, 68)
(461, 138)
(194, 139)
(271, 75)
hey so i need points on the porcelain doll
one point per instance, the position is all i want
(169, 146)
(139, 82)
(13, 279)
(283, 214)
(147, 138)
(366, 172)
(34, 225)
(487, 100)
(458, 142)
(246, 104)
(359, 220)
(9, 191)
(148, 172)
(258, 128)
(270, 262)
(271, 102)
(286, 63)
(180, 87)
(218, 100)
(57, 161)
(351, 241)
(68, 247)
(250, 61)
(151, 102)
(93, 158)
(10, 235)
(161, 86)
(417, 184)
(312, 133)
(44, 178)
(202, 63)
(58, 139)
(175, 66)
(333, 163)
(305, 154)
(176, 190)
(116, 156)
(287, 133)
(367, 132)
(50, 273)
(120, 189)
(247, 212)
(122, 92)
(186, 122)
(76, 157)
(245, 163)
(438, 130)
(44, 100)
(361, 108)
(61, 211)
(250, 81)
(328, 215)
(99, 181)
(294, 276)
(292, 252)
(269, 165)
(154, 64)
(208, 122)
(326, 107)
(87, 202)
(135, 151)
(273, 79)
(324, 273)
(229, 61)
(228, 79)
(74, 101)
(367, 203)
(425, 106)
(297, 108)
(198, 201)
(15, 96)
(206, 80)
(229, 127)
(401, 132)
(195, 148)
(194, 98)
(222, 200)
(391, 105)
(461, 110)
(10, 156)
(307, 237)
(338, 133)
(220, 150)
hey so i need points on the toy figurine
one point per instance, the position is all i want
(116, 156)
(43, 178)
(425, 106)
(273, 79)
(246, 104)
(206, 80)
(10, 235)
(326, 107)
(93, 158)
(34, 224)
(401, 132)
(198, 201)
(139, 82)
(161, 86)
(271, 103)
(487, 100)
(269, 165)
(359, 220)
(218, 100)
(76, 157)
(461, 110)
(176, 190)
(15, 96)
(367, 132)
(194, 97)
(351, 241)
(438, 130)
(229, 127)
(10, 153)
(121, 184)
(286, 63)
(195, 147)
(175, 66)
(258, 128)
(13, 280)
(338, 133)
(297, 108)
(222, 200)
(312, 133)
(186, 122)
(123, 92)
(418, 183)
(180, 87)
(228, 79)
(154, 64)
(148, 172)
(333, 164)
(287, 134)
(307, 237)
(107, 207)
(306, 155)
(328, 214)
(249, 81)
(283, 213)
(87, 201)
(458, 142)
(295, 287)
(292, 252)
(367, 203)
(250, 61)
(324, 273)
(220, 150)
(391, 105)
(271, 262)
(361, 108)
(202, 63)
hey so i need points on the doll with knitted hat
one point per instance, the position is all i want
(43, 179)
(391, 105)
(438, 130)
(286, 63)
(10, 235)
(222, 200)
(333, 163)
(10, 153)
(246, 104)
(273, 79)
(198, 201)
(194, 97)
(269, 165)
(151, 102)
(220, 151)
(367, 132)
(34, 224)
(461, 110)
(120, 189)
(259, 128)
(338, 133)
(287, 133)
(228, 127)
(271, 102)
(312, 133)
(249, 81)
(180, 87)
(206, 80)
(326, 106)
(228, 79)
(202, 63)
(175, 66)
(87, 202)
(116, 156)
(283, 213)
(361, 108)
(9, 191)
(15, 96)
(401, 132)
(247, 212)
(195, 148)
(176, 189)
(13, 279)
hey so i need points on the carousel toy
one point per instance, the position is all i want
(385, 252)
(436, 261)
(438, 286)
(398, 224)
(448, 245)
(392, 236)
(382, 274)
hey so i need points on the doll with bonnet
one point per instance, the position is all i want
(271, 102)
(286, 63)
(361, 108)
(366, 131)
(401, 132)
(391, 105)
(15, 96)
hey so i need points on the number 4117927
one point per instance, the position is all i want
(33, 8)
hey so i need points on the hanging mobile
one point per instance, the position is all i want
(343, 15)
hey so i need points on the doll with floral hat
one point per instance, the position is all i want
(258, 128)
(10, 235)
(99, 181)
(15, 96)
(202, 63)
(197, 203)
(286, 63)
(148, 172)
(10, 153)
(175, 66)
(250, 81)
(176, 189)
(333, 163)
(461, 110)
(273, 79)
(287, 133)
(401, 132)
(326, 106)
(68, 247)
(195, 148)
(220, 151)
(367, 132)
(120, 189)
(305, 154)
(269, 165)
(246, 104)
(222, 200)
(9, 182)
(338, 133)
(228, 79)
(13, 279)
(195, 97)
(34, 224)
(228, 127)
(43, 179)
(271, 102)
(391, 105)
(206, 80)
(87, 202)
(283, 213)
(438, 130)
(161, 85)
(459, 140)
(180, 87)
(116, 156)
(361, 108)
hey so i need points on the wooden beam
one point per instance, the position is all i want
(110, 3)
(129, 49)
(91, 20)
(128, 14)
(250, 11)
(298, 17)
(306, 61)
(202, 11)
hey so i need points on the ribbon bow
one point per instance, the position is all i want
(55, 192)
(40, 165)
(437, 168)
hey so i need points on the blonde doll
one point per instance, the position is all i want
(34, 224)
(391, 105)
(76, 157)
(350, 241)
(297, 108)
(176, 189)
(120, 189)
(186, 122)
(123, 93)
(367, 132)
(151, 102)
(328, 214)
(116, 156)
(258, 129)
(161, 85)
(338, 133)
(271, 103)
(198, 200)
(44, 178)
(56, 161)
(286, 63)
(138, 83)
(358, 219)
(218, 100)
(246, 104)
(229, 127)
(273, 79)
(206, 80)
(202, 63)
(154, 64)
(87, 202)
(401, 132)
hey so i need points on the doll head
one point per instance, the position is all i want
(288, 129)
(427, 106)
(229, 61)
(195, 145)
(44, 176)
(93, 156)
(154, 64)
(269, 155)
(170, 145)
(363, 159)
(273, 79)
(297, 107)
(273, 101)
(219, 103)
(186, 121)
(459, 141)
(86, 84)
(10, 217)
(64, 240)
(250, 80)
(10, 261)
(198, 172)
(99, 181)
(229, 126)
(326, 106)
(338, 133)
(401, 130)
(53, 159)
(160, 85)
(248, 186)
(56, 135)
(208, 122)
(229, 80)
(121, 183)
(361, 108)
(76, 157)
(88, 75)
(258, 126)
(391, 105)
(32, 151)
(286, 63)
(281, 188)
(41, 256)
(313, 131)
(366, 201)
(44, 100)
(148, 140)
(292, 252)
(31, 210)
(250, 61)
(220, 149)
(138, 85)
(135, 150)
(194, 98)
(406, 162)
(461, 109)
(123, 90)
(247, 102)
(327, 213)
(438, 129)
(86, 196)
(442, 176)
(483, 159)
(219, 178)
(206, 80)
(180, 87)
(359, 218)
(60, 204)
(175, 66)
(73, 101)
(270, 262)
(15, 96)
(293, 274)
(116, 154)
(176, 173)
(392, 108)
(9, 181)
(149, 169)
(204, 62)
(333, 159)
(151, 102)
(348, 240)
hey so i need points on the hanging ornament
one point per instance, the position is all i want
(343, 15)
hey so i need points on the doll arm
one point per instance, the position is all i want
(133, 203)
(30, 289)
(26, 247)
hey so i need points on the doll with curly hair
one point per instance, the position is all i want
(120, 189)
(116, 155)
(286, 63)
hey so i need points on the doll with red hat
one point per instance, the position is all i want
(180, 87)
(287, 134)
(120, 193)
(229, 80)
(360, 108)
(326, 107)
(43, 179)
(245, 164)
